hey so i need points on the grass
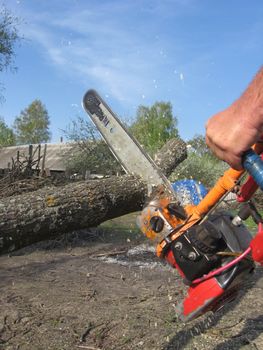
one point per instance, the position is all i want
(125, 222)
(123, 228)
(251, 225)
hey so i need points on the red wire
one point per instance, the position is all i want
(223, 268)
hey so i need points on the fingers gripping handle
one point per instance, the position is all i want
(253, 163)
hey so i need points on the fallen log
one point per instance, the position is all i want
(50, 211)
(170, 155)
(45, 213)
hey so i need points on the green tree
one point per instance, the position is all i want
(8, 38)
(32, 125)
(201, 164)
(154, 126)
(200, 168)
(90, 151)
(199, 145)
(7, 136)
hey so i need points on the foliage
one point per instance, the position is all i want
(32, 126)
(154, 126)
(199, 146)
(90, 153)
(201, 168)
(7, 136)
(201, 164)
(8, 38)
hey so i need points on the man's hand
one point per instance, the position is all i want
(230, 135)
(232, 132)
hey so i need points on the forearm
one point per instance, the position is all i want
(249, 107)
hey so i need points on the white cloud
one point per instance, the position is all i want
(122, 49)
(102, 51)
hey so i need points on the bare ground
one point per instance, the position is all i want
(104, 289)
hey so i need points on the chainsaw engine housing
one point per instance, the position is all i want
(196, 251)
(213, 293)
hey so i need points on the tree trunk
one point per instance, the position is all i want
(170, 155)
(45, 213)
(50, 211)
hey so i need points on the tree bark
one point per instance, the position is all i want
(50, 211)
(170, 155)
(45, 213)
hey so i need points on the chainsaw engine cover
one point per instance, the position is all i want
(213, 293)
(195, 252)
(238, 237)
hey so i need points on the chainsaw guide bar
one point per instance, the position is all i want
(123, 145)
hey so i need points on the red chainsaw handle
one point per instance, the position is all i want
(256, 245)
(247, 190)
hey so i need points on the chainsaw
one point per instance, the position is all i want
(212, 249)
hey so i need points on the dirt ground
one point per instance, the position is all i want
(104, 289)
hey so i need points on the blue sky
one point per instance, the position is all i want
(198, 54)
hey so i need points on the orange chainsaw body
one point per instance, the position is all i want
(175, 232)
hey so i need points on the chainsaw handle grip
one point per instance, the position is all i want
(253, 163)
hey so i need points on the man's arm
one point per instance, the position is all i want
(231, 132)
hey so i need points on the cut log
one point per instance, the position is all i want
(50, 211)
(170, 155)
